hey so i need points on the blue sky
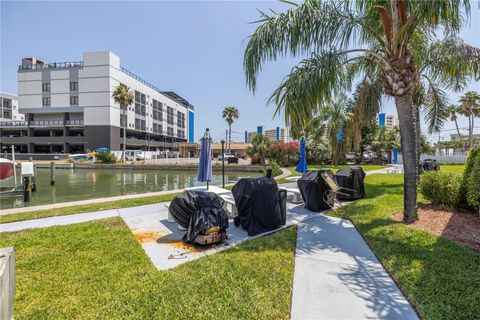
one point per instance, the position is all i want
(193, 48)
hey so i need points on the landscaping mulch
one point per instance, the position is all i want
(458, 225)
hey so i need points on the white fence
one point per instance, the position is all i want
(461, 158)
(7, 282)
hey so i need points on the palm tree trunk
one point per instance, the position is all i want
(124, 132)
(470, 133)
(229, 138)
(417, 138)
(406, 116)
(459, 136)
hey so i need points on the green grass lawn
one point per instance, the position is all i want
(441, 278)
(97, 270)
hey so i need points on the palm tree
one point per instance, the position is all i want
(124, 97)
(452, 113)
(259, 148)
(229, 114)
(340, 34)
(470, 106)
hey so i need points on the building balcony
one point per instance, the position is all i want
(43, 140)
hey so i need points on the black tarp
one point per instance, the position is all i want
(351, 178)
(312, 188)
(198, 211)
(260, 205)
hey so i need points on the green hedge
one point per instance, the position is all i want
(455, 190)
(106, 157)
(441, 188)
(471, 181)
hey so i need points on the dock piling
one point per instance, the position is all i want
(52, 173)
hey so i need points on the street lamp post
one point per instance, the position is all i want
(223, 163)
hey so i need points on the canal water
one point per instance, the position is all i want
(83, 184)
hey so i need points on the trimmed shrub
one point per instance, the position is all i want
(106, 157)
(472, 181)
(276, 170)
(441, 188)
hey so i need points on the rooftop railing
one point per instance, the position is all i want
(73, 122)
(54, 65)
(134, 76)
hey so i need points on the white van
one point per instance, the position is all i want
(134, 155)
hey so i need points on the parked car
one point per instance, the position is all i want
(226, 156)
(134, 155)
(79, 156)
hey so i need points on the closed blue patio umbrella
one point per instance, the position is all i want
(302, 163)
(205, 159)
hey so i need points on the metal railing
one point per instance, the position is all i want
(54, 65)
(134, 76)
(73, 122)
(13, 123)
(47, 123)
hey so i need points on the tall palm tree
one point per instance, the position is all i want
(452, 112)
(339, 34)
(470, 106)
(124, 97)
(229, 114)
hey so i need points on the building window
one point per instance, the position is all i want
(169, 131)
(7, 114)
(46, 87)
(74, 101)
(157, 110)
(45, 101)
(170, 116)
(74, 86)
(181, 134)
(180, 119)
(7, 103)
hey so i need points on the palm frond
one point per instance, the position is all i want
(436, 108)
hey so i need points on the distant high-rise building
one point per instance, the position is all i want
(277, 134)
(387, 121)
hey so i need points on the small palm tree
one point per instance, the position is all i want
(229, 114)
(470, 106)
(259, 148)
(124, 97)
(452, 112)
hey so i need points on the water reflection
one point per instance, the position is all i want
(82, 184)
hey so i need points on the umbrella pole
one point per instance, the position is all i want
(207, 185)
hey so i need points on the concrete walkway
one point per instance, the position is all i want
(337, 276)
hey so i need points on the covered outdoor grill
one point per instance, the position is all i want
(429, 165)
(312, 188)
(261, 206)
(351, 179)
(202, 214)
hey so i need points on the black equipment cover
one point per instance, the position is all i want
(351, 178)
(430, 164)
(261, 206)
(198, 211)
(312, 188)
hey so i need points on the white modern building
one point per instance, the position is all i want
(9, 108)
(69, 108)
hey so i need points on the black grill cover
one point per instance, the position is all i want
(198, 211)
(430, 164)
(351, 178)
(261, 207)
(312, 188)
